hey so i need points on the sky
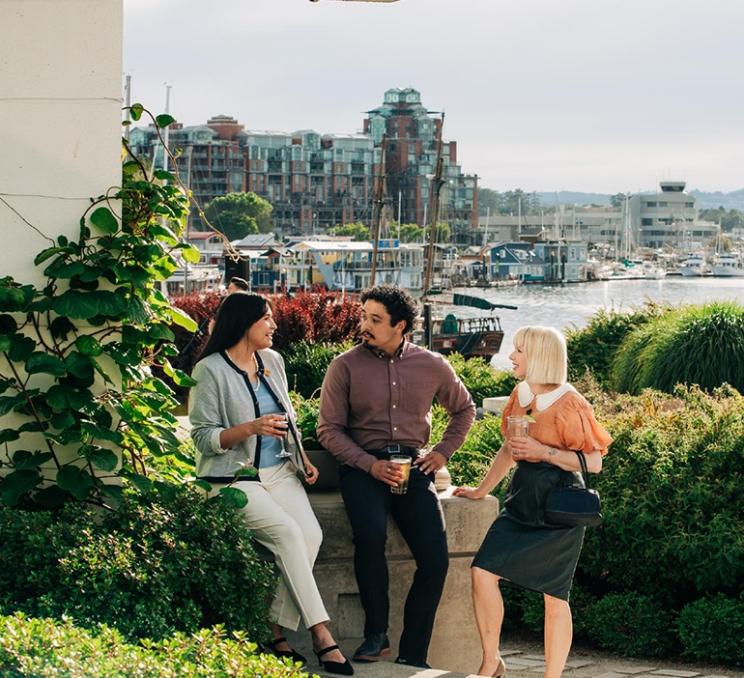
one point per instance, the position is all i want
(587, 95)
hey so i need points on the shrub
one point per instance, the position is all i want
(593, 347)
(46, 648)
(671, 494)
(165, 561)
(315, 317)
(712, 629)
(471, 462)
(307, 419)
(631, 624)
(701, 345)
(306, 364)
(481, 380)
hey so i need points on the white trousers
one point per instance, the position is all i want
(279, 514)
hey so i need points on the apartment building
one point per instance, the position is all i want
(412, 135)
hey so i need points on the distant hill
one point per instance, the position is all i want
(732, 200)
(705, 199)
(548, 199)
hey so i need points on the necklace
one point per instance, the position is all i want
(255, 360)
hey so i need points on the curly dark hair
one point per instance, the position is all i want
(397, 302)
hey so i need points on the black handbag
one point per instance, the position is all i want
(574, 505)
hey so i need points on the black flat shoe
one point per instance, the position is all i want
(375, 647)
(341, 668)
(289, 654)
(418, 665)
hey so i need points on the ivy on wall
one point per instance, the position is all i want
(76, 354)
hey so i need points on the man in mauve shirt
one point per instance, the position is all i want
(376, 401)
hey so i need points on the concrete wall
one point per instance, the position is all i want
(60, 117)
(455, 644)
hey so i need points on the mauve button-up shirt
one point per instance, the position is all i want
(370, 399)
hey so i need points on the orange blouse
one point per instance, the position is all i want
(568, 423)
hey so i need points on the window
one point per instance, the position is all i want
(646, 222)
(651, 204)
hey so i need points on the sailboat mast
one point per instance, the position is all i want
(379, 200)
(436, 190)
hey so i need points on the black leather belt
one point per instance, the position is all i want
(395, 448)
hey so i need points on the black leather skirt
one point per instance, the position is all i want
(520, 546)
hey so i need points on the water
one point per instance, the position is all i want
(572, 305)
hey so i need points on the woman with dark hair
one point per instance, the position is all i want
(242, 417)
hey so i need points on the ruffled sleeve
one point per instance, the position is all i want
(578, 429)
(508, 408)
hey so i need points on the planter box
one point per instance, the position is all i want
(327, 466)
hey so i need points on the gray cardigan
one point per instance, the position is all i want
(221, 400)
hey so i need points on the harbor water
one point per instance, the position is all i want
(563, 306)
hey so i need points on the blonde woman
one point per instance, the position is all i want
(521, 546)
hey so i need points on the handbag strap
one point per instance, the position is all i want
(584, 469)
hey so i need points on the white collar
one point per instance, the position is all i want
(544, 400)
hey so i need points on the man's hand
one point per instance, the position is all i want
(386, 472)
(431, 462)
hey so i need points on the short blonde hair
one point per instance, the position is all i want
(545, 351)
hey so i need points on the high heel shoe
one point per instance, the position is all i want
(341, 668)
(289, 654)
(500, 671)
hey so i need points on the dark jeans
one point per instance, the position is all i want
(418, 515)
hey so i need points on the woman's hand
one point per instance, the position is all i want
(274, 425)
(311, 472)
(469, 492)
(526, 448)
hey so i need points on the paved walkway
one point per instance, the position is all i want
(524, 661)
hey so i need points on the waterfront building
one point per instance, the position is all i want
(209, 158)
(347, 265)
(313, 181)
(542, 261)
(410, 162)
(669, 218)
(256, 258)
(210, 245)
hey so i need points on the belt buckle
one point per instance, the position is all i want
(393, 448)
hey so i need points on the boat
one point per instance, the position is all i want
(693, 265)
(652, 271)
(474, 334)
(728, 265)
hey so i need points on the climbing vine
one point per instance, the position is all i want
(80, 408)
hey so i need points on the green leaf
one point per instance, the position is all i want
(10, 403)
(5, 343)
(8, 435)
(23, 459)
(77, 481)
(180, 318)
(12, 299)
(136, 110)
(158, 331)
(163, 120)
(87, 305)
(60, 327)
(103, 219)
(8, 324)
(115, 492)
(101, 458)
(51, 497)
(181, 378)
(142, 483)
(191, 254)
(21, 348)
(88, 345)
(203, 485)
(233, 497)
(49, 252)
(79, 365)
(62, 420)
(164, 176)
(16, 484)
(44, 363)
